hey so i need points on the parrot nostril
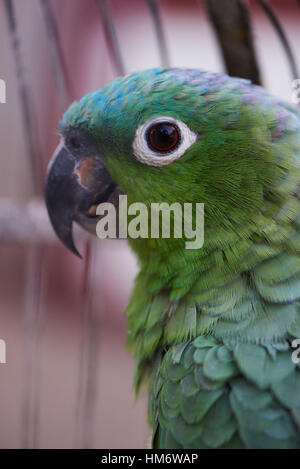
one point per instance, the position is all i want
(74, 143)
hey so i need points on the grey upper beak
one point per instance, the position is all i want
(66, 194)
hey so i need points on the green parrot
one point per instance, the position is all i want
(213, 328)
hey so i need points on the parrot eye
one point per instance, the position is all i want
(163, 136)
(162, 140)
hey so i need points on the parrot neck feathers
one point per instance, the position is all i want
(246, 291)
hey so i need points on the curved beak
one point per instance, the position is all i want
(72, 187)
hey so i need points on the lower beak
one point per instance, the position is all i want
(72, 187)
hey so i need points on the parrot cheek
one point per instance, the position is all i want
(74, 187)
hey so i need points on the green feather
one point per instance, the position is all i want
(211, 327)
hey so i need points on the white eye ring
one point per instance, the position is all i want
(145, 154)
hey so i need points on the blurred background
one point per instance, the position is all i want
(67, 381)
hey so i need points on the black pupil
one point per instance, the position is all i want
(163, 136)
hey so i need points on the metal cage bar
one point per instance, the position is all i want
(233, 31)
(111, 35)
(160, 34)
(282, 37)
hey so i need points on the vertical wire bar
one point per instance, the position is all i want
(89, 353)
(82, 347)
(160, 35)
(31, 331)
(89, 357)
(57, 59)
(65, 95)
(34, 345)
(111, 35)
(63, 87)
(92, 359)
(281, 34)
(29, 119)
(232, 26)
(34, 277)
(88, 348)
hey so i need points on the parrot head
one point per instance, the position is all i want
(165, 135)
